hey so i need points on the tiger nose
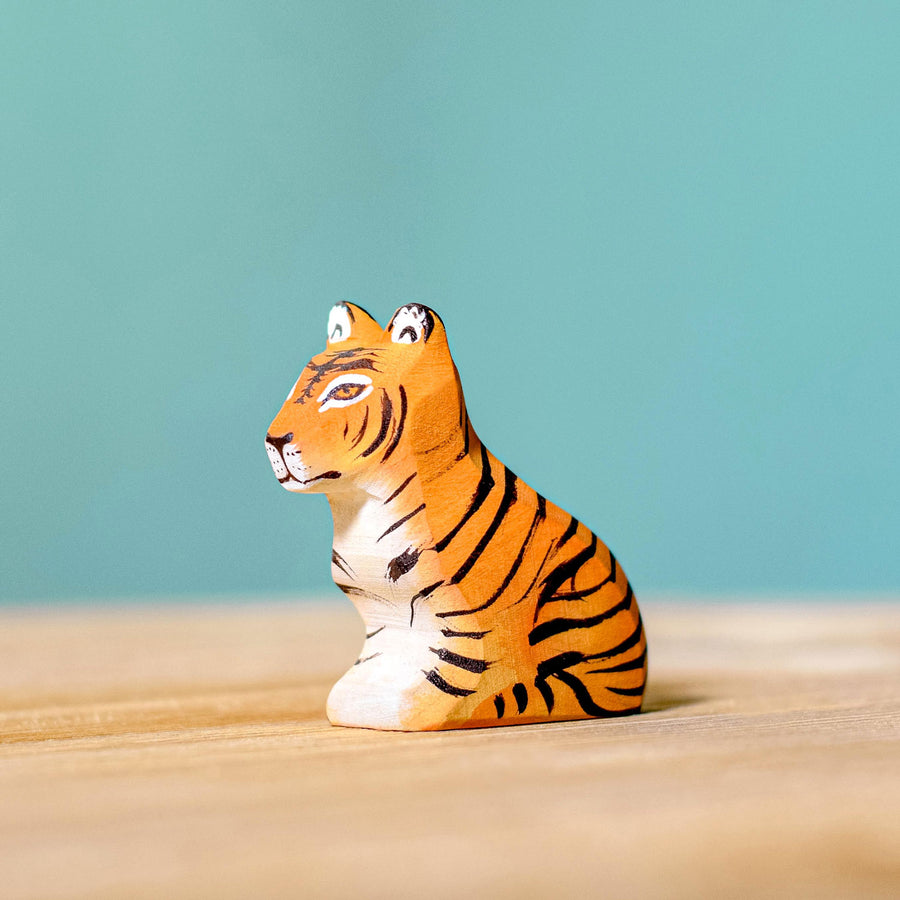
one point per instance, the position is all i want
(279, 442)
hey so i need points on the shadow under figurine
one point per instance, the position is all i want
(484, 603)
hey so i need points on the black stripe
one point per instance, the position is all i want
(399, 522)
(461, 662)
(569, 533)
(546, 692)
(585, 700)
(396, 438)
(399, 489)
(536, 575)
(509, 497)
(563, 572)
(351, 590)
(499, 705)
(465, 450)
(421, 596)
(484, 487)
(341, 563)
(632, 640)
(400, 565)
(387, 411)
(557, 626)
(320, 370)
(475, 635)
(581, 595)
(627, 692)
(373, 633)
(366, 658)
(362, 430)
(538, 516)
(557, 667)
(636, 663)
(331, 474)
(435, 678)
(520, 692)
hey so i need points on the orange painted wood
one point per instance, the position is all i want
(484, 602)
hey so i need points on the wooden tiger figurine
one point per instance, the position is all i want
(484, 603)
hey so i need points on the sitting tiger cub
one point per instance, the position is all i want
(484, 603)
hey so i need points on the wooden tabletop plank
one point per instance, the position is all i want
(151, 751)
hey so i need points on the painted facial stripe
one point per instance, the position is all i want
(399, 432)
(362, 429)
(340, 361)
(387, 409)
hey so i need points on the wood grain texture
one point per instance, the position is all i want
(184, 752)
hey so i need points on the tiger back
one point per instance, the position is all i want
(484, 603)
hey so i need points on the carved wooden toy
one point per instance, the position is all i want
(484, 603)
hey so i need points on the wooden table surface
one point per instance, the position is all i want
(165, 751)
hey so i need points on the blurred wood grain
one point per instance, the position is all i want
(183, 751)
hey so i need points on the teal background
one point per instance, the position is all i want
(664, 239)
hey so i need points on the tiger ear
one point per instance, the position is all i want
(415, 324)
(347, 320)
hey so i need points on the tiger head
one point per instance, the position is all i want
(370, 405)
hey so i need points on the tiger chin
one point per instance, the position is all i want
(484, 603)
